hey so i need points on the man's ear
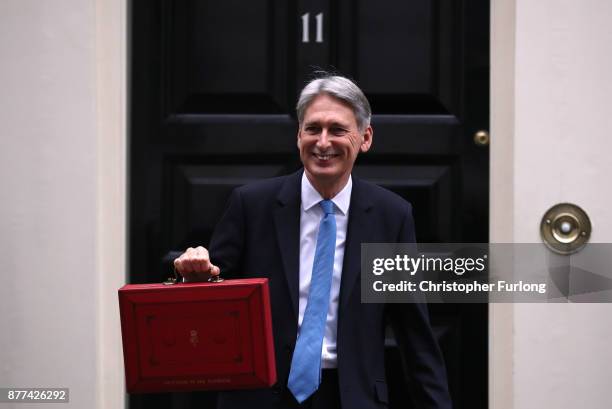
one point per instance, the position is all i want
(368, 135)
(299, 139)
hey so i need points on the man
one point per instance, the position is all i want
(304, 231)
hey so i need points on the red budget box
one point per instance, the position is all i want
(197, 336)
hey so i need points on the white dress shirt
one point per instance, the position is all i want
(310, 217)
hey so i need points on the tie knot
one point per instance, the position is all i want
(327, 206)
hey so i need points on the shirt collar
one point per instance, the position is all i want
(310, 196)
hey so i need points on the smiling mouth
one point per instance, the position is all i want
(324, 157)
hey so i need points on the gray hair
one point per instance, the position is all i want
(341, 88)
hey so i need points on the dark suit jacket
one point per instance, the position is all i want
(258, 236)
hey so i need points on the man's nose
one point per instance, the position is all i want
(323, 141)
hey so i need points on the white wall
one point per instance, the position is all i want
(551, 128)
(62, 230)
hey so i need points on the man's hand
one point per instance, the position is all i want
(195, 265)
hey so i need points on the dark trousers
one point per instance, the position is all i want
(326, 397)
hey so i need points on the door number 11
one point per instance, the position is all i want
(306, 24)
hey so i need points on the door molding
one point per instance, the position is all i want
(111, 225)
(501, 203)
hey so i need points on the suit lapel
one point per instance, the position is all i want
(287, 223)
(357, 233)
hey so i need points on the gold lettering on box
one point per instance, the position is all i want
(194, 339)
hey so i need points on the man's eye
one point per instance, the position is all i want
(312, 130)
(338, 131)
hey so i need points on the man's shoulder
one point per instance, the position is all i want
(269, 187)
(381, 197)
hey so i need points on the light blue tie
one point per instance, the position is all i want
(305, 374)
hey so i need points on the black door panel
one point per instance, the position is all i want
(213, 89)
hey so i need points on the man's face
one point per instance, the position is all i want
(329, 140)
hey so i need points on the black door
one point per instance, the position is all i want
(213, 89)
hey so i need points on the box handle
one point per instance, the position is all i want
(177, 279)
